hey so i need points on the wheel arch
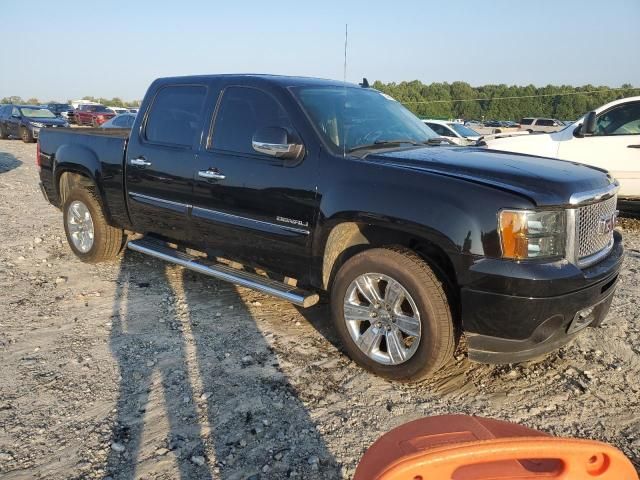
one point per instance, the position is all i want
(346, 237)
(76, 165)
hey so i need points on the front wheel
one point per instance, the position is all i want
(26, 135)
(89, 235)
(392, 314)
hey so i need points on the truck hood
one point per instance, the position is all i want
(545, 181)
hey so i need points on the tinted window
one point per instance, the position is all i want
(243, 111)
(621, 120)
(176, 115)
(440, 129)
(526, 121)
(544, 122)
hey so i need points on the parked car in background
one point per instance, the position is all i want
(608, 138)
(118, 110)
(133, 110)
(456, 132)
(25, 121)
(59, 109)
(92, 115)
(415, 243)
(544, 125)
(124, 120)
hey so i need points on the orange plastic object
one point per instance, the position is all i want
(458, 447)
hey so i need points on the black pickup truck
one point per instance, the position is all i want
(313, 185)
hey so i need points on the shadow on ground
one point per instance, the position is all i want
(8, 162)
(201, 390)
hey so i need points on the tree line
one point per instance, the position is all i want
(461, 100)
(497, 102)
(112, 102)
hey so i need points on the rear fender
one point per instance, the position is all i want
(83, 161)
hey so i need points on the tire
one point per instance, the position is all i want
(26, 135)
(436, 340)
(107, 240)
(3, 133)
(94, 124)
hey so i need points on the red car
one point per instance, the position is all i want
(93, 115)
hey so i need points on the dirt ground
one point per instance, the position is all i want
(138, 369)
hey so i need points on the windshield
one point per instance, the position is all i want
(350, 117)
(97, 108)
(464, 131)
(37, 112)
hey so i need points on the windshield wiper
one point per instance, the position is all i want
(383, 144)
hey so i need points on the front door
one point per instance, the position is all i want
(248, 205)
(160, 161)
(615, 145)
(13, 122)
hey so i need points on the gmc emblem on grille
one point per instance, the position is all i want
(607, 223)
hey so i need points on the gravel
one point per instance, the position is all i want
(139, 369)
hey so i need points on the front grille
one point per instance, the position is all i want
(591, 237)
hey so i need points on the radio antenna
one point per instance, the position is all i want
(344, 78)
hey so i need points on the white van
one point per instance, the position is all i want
(608, 137)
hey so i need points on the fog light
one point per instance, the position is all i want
(582, 319)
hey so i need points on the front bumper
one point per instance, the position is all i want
(504, 328)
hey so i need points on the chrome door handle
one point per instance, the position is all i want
(211, 175)
(139, 162)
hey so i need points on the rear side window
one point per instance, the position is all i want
(175, 116)
(244, 110)
(545, 122)
(526, 121)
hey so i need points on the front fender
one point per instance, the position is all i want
(458, 216)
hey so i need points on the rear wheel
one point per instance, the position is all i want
(89, 235)
(26, 135)
(392, 314)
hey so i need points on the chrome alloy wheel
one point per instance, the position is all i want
(80, 226)
(382, 318)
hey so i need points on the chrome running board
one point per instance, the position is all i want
(158, 249)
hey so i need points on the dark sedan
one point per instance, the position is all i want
(25, 121)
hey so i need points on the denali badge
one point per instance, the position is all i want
(607, 223)
(292, 220)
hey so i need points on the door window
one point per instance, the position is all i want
(440, 129)
(242, 112)
(16, 112)
(175, 117)
(544, 122)
(621, 120)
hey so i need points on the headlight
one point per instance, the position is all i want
(37, 124)
(532, 234)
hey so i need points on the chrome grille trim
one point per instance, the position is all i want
(590, 245)
(578, 199)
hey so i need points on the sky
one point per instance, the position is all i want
(66, 49)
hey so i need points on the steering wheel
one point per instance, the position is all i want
(369, 137)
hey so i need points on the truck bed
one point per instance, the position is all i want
(98, 149)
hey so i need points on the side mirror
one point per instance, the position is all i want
(589, 124)
(13, 115)
(276, 142)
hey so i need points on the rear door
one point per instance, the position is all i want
(160, 160)
(615, 146)
(261, 209)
